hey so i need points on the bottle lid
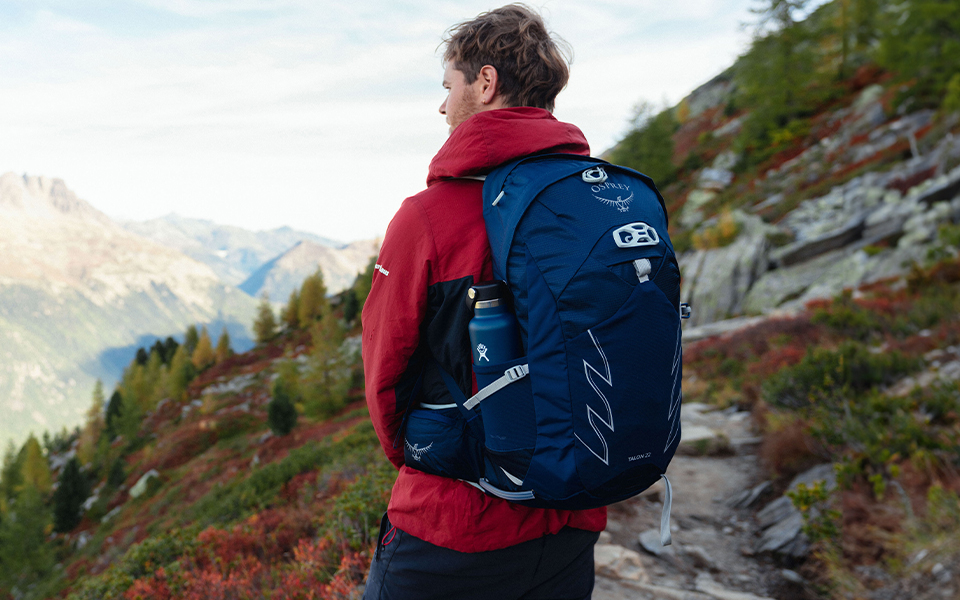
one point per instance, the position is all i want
(485, 292)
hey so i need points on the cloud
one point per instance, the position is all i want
(295, 112)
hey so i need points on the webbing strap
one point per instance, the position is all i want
(666, 538)
(509, 376)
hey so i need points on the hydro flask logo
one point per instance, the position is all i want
(482, 350)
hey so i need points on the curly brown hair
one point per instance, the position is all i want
(531, 63)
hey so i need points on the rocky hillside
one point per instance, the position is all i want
(73, 286)
(284, 273)
(859, 200)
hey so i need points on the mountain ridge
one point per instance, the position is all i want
(74, 284)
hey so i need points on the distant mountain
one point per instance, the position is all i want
(75, 287)
(233, 253)
(286, 272)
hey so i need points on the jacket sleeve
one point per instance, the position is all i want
(392, 317)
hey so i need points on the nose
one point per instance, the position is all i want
(443, 108)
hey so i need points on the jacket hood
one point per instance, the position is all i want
(493, 137)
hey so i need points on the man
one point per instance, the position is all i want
(442, 537)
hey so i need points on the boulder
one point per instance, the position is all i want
(611, 560)
(782, 534)
(650, 541)
(140, 487)
(782, 522)
(692, 214)
(805, 249)
(717, 280)
(715, 179)
(773, 288)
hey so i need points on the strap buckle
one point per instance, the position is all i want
(517, 372)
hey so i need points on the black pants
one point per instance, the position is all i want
(554, 567)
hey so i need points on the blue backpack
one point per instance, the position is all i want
(591, 414)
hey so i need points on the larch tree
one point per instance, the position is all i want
(291, 312)
(35, 468)
(313, 299)
(224, 351)
(203, 355)
(93, 428)
(265, 325)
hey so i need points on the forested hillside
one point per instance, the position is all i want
(828, 153)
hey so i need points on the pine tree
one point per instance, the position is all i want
(265, 325)
(363, 282)
(11, 473)
(142, 356)
(117, 475)
(313, 299)
(291, 312)
(191, 338)
(72, 491)
(159, 349)
(25, 556)
(114, 408)
(170, 346)
(223, 346)
(920, 40)
(351, 306)
(93, 428)
(281, 413)
(203, 356)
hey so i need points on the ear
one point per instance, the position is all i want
(488, 81)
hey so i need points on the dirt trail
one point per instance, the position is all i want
(711, 557)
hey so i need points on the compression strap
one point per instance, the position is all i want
(509, 376)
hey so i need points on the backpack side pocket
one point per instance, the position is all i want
(439, 442)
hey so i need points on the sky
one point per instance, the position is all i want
(316, 114)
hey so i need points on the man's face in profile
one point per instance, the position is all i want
(463, 99)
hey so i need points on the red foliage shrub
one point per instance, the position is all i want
(776, 359)
(290, 491)
(868, 525)
(788, 450)
(748, 344)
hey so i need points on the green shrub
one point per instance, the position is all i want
(820, 521)
(281, 413)
(826, 376)
(140, 560)
(237, 499)
(848, 318)
(356, 512)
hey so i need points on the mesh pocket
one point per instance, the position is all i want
(509, 420)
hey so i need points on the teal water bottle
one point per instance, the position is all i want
(494, 335)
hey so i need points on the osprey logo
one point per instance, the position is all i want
(416, 450)
(622, 204)
(593, 417)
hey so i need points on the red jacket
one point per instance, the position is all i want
(434, 249)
